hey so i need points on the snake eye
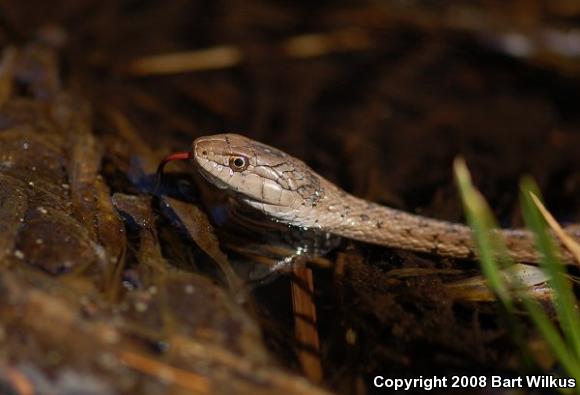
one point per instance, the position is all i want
(239, 163)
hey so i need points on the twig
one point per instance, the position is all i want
(566, 240)
(164, 372)
(305, 329)
(226, 56)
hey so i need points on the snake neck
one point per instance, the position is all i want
(348, 216)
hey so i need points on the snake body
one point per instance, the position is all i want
(286, 189)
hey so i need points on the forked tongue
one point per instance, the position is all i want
(166, 160)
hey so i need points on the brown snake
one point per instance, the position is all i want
(287, 190)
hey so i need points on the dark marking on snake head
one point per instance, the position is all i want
(311, 194)
(379, 224)
(364, 217)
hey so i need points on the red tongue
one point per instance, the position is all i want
(171, 158)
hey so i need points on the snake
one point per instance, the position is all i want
(287, 190)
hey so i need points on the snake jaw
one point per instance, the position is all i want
(212, 179)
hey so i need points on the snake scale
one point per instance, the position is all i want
(287, 190)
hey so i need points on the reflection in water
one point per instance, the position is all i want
(265, 249)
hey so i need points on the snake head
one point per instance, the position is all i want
(261, 176)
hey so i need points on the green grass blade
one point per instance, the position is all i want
(481, 220)
(493, 256)
(565, 300)
(552, 336)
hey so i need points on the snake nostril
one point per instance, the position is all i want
(204, 153)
